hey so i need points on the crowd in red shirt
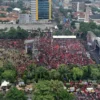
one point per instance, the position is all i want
(53, 52)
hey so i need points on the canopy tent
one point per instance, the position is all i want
(90, 89)
(4, 84)
(64, 36)
(17, 9)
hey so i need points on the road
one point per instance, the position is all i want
(27, 26)
(95, 54)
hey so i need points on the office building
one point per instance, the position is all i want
(78, 6)
(24, 18)
(40, 10)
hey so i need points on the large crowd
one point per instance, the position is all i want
(12, 44)
(85, 90)
(53, 52)
(14, 51)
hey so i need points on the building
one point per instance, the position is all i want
(40, 10)
(78, 6)
(87, 13)
(24, 18)
(95, 18)
(4, 8)
(26, 4)
(66, 4)
(79, 16)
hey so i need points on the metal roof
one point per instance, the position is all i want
(63, 36)
(96, 16)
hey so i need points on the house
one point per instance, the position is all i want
(4, 8)
(95, 18)
(24, 19)
(79, 16)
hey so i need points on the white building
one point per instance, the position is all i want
(33, 11)
(24, 19)
(66, 4)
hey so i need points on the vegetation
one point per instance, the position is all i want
(85, 27)
(94, 9)
(14, 34)
(63, 73)
(15, 94)
(47, 83)
(51, 90)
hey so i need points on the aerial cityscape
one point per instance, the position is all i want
(49, 50)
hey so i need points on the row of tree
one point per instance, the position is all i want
(85, 27)
(13, 33)
(47, 83)
(63, 73)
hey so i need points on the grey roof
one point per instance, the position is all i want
(96, 16)
(79, 0)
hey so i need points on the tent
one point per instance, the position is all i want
(90, 89)
(4, 84)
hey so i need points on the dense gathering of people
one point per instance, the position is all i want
(85, 90)
(14, 51)
(53, 52)
(12, 44)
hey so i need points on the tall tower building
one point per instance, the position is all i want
(78, 6)
(40, 9)
(88, 12)
(66, 4)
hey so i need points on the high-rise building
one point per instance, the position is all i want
(24, 18)
(66, 4)
(40, 9)
(78, 6)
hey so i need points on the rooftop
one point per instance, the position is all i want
(96, 16)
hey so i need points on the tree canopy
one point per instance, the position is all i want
(15, 94)
(13, 33)
(51, 90)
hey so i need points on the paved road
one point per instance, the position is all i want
(95, 54)
(27, 26)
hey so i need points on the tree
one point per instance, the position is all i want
(9, 9)
(15, 94)
(92, 25)
(1, 71)
(29, 74)
(50, 90)
(11, 34)
(60, 26)
(9, 75)
(64, 72)
(8, 66)
(21, 33)
(95, 73)
(41, 73)
(15, 34)
(77, 73)
(54, 74)
(86, 72)
(42, 91)
(20, 4)
(1, 96)
(63, 95)
(85, 27)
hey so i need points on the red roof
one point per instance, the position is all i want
(80, 14)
